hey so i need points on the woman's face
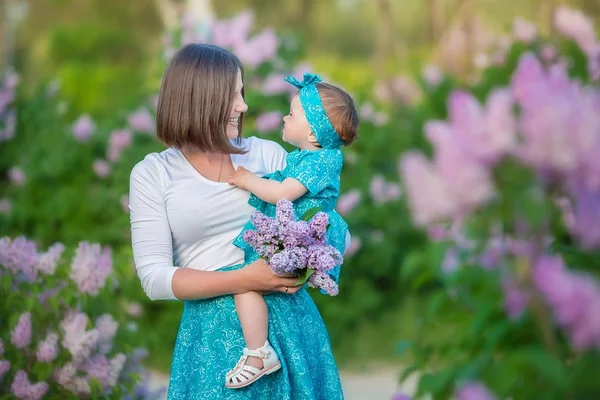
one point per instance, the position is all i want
(239, 107)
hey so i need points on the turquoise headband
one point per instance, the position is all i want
(315, 112)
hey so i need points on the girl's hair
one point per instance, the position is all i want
(196, 98)
(341, 111)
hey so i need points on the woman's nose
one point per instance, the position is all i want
(241, 106)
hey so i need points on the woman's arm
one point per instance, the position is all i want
(153, 251)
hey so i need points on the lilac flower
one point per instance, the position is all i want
(318, 225)
(451, 261)
(25, 390)
(348, 201)
(118, 141)
(83, 128)
(48, 261)
(474, 391)
(323, 258)
(265, 225)
(282, 263)
(274, 84)
(524, 30)
(105, 371)
(77, 339)
(400, 396)
(125, 203)
(284, 214)
(20, 255)
(20, 336)
(321, 280)
(1, 348)
(258, 49)
(101, 168)
(295, 233)
(267, 122)
(134, 309)
(253, 238)
(574, 299)
(586, 215)
(17, 176)
(141, 121)
(90, 267)
(515, 300)
(48, 349)
(68, 377)
(575, 25)
(107, 328)
(4, 368)
(429, 197)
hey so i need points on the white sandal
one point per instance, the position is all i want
(243, 375)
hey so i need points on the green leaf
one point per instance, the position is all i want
(435, 383)
(310, 213)
(546, 364)
(408, 372)
(303, 276)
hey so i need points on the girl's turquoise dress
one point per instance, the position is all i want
(210, 337)
(319, 171)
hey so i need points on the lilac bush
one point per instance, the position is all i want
(510, 197)
(62, 337)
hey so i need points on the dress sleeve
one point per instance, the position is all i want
(150, 232)
(317, 170)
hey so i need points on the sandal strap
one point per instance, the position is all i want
(261, 352)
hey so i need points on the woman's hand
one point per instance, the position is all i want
(260, 278)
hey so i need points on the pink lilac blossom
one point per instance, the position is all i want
(83, 128)
(348, 201)
(101, 168)
(20, 336)
(48, 349)
(270, 121)
(585, 215)
(1, 348)
(25, 390)
(19, 255)
(401, 396)
(134, 309)
(524, 30)
(274, 84)
(575, 25)
(104, 370)
(382, 191)
(234, 32)
(48, 261)
(474, 391)
(324, 282)
(17, 177)
(68, 377)
(260, 48)
(77, 340)
(141, 121)
(90, 267)
(4, 368)
(515, 299)
(574, 299)
(107, 328)
(118, 141)
(429, 197)
(125, 203)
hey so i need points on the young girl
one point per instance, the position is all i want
(322, 118)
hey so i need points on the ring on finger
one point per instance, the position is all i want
(287, 289)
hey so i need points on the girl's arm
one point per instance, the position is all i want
(266, 189)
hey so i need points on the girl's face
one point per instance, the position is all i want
(239, 107)
(296, 130)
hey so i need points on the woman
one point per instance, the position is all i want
(183, 210)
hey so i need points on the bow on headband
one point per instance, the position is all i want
(315, 111)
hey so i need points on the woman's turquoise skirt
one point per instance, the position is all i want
(210, 342)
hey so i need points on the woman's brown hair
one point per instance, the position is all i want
(196, 99)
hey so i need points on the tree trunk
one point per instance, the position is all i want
(384, 37)
(171, 11)
(434, 20)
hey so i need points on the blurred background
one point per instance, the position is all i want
(77, 107)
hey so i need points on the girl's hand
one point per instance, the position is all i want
(260, 278)
(240, 177)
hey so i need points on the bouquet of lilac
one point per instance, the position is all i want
(296, 246)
